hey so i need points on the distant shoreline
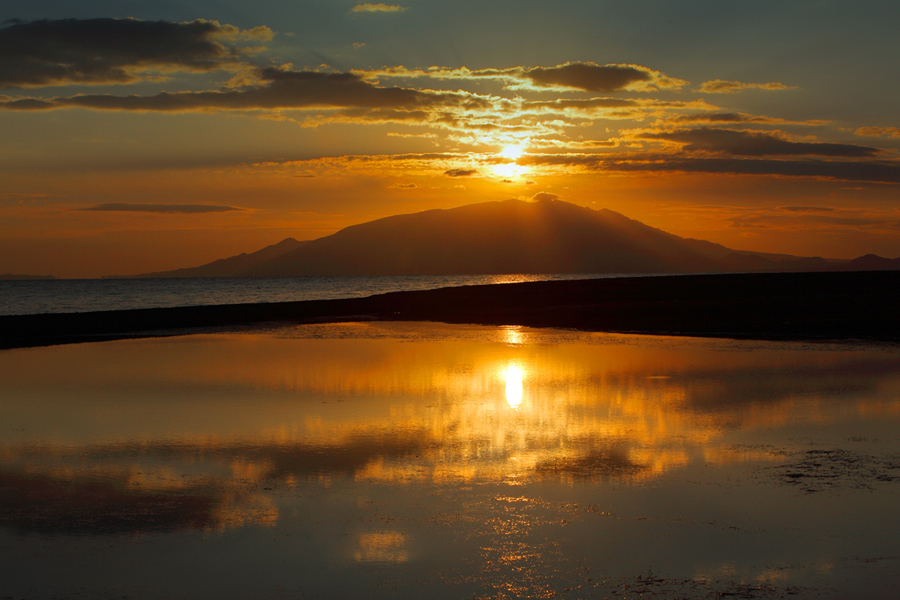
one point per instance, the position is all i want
(860, 305)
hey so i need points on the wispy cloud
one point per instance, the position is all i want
(461, 172)
(115, 51)
(893, 132)
(721, 86)
(191, 209)
(377, 7)
(744, 142)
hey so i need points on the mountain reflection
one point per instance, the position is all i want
(204, 432)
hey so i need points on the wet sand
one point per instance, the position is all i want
(773, 306)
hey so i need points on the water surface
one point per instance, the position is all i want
(412, 460)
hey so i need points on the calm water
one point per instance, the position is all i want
(81, 295)
(434, 461)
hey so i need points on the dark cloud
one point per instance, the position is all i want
(162, 208)
(755, 143)
(104, 51)
(722, 118)
(592, 77)
(544, 196)
(875, 171)
(274, 89)
(806, 208)
(460, 172)
(871, 171)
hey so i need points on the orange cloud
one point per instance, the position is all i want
(893, 132)
(721, 86)
(162, 208)
(379, 7)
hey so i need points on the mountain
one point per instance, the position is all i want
(511, 236)
(873, 262)
(235, 266)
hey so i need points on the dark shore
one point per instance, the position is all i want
(773, 306)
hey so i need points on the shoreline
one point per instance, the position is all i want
(822, 306)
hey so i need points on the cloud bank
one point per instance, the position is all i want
(114, 51)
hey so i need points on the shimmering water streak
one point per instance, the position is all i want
(82, 295)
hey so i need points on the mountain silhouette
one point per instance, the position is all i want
(235, 266)
(511, 236)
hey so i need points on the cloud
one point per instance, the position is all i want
(742, 142)
(403, 186)
(733, 117)
(274, 89)
(580, 76)
(544, 197)
(721, 86)
(379, 7)
(871, 171)
(460, 172)
(893, 132)
(806, 208)
(591, 77)
(191, 209)
(114, 51)
(874, 171)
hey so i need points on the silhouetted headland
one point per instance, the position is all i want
(777, 306)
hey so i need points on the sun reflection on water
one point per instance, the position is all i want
(514, 376)
(506, 404)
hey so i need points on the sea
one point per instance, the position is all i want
(25, 297)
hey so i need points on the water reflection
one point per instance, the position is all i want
(219, 433)
(513, 376)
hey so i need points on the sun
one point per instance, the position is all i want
(512, 152)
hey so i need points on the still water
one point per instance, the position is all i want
(415, 460)
(27, 297)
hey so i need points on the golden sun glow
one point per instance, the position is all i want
(512, 152)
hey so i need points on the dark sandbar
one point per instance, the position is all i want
(776, 306)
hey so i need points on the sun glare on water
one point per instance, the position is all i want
(513, 376)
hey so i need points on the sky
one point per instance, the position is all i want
(146, 136)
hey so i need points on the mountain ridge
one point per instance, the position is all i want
(508, 236)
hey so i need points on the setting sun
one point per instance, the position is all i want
(512, 152)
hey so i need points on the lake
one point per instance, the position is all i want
(25, 297)
(421, 460)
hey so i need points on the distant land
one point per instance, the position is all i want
(511, 236)
(12, 277)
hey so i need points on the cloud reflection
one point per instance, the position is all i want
(248, 415)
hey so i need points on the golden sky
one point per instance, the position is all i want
(138, 137)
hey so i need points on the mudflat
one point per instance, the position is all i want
(778, 306)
